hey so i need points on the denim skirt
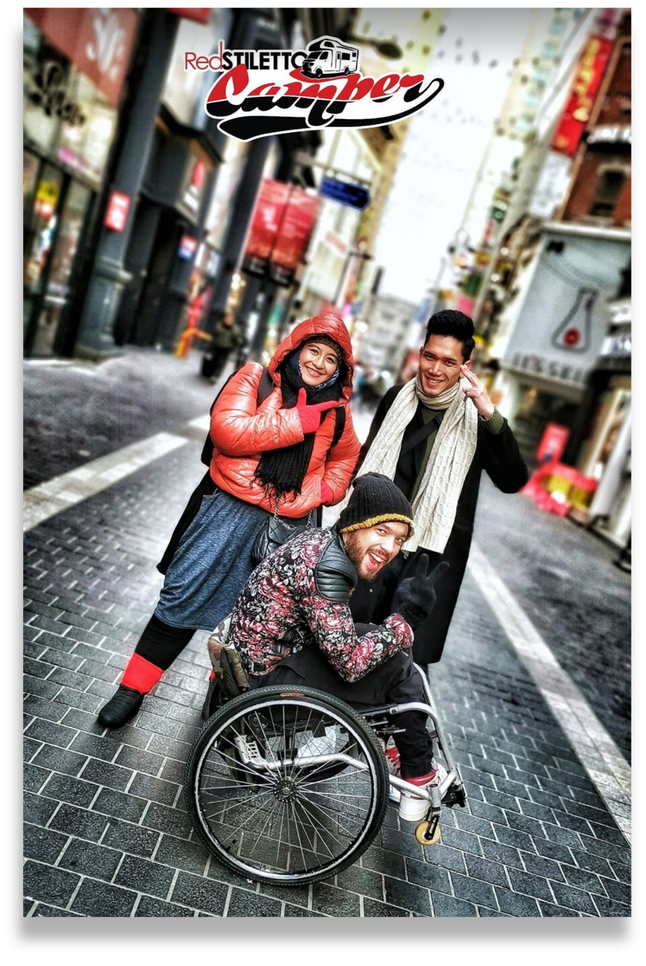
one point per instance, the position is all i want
(211, 564)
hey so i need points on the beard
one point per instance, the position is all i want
(356, 554)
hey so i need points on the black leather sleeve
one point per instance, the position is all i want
(334, 575)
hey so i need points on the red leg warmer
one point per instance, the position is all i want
(140, 674)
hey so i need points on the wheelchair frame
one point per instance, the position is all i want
(225, 764)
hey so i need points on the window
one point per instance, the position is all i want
(611, 181)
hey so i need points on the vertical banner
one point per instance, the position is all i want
(294, 235)
(265, 224)
(280, 231)
(582, 96)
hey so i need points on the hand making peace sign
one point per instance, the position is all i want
(476, 391)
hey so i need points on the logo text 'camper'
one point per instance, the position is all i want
(265, 92)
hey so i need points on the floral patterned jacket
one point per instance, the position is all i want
(282, 604)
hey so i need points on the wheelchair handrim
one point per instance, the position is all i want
(257, 871)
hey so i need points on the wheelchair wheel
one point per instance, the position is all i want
(286, 785)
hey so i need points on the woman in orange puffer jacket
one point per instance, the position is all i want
(276, 454)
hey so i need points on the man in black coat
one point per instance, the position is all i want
(433, 436)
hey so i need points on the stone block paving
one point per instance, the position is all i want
(105, 830)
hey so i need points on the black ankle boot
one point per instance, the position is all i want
(120, 708)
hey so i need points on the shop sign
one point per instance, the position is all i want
(187, 247)
(194, 183)
(617, 345)
(535, 365)
(98, 41)
(553, 443)
(116, 215)
(46, 199)
(610, 134)
(620, 312)
(582, 95)
(50, 93)
(199, 14)
(563, 320)
(353, 195)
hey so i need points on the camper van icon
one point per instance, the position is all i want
(328, 57)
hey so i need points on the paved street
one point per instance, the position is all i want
(543, 744)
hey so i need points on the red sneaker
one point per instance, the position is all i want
(412, 808)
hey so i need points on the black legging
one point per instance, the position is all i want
(161, 643)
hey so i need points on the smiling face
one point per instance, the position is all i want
(318, 362)
(373, 548)
(439, 364)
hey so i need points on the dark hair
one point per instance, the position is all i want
(456, 324)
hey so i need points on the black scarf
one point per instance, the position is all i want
(282, 471)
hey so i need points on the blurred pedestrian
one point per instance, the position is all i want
(276, 456)
(225, 337)
(433, 436)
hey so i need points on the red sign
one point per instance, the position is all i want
(582, 94)
(199, 174)
(294, 235)
(200, 14)
(280, 230)
(97, 40)
(552, 444)
(187, 247)
(266, 220)
(116, 214)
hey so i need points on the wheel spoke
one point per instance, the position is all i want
(294, 803)
(262, 830)
(333, 815)
(318, 827)
(240, 766)
(228, 807)
(300, 844)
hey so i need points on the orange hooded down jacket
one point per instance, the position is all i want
(241, 431)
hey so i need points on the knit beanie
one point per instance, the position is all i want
(375, 499)
(327, 340)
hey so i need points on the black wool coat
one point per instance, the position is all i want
(498, 455)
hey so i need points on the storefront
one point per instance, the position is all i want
(74, 65)
(562, 320)
(170, 258)
(606, 452)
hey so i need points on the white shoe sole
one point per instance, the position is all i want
(412, 809)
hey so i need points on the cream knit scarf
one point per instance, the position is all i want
(448, 464)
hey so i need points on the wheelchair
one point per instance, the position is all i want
(290, 785)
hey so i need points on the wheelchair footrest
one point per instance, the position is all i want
(456, 795)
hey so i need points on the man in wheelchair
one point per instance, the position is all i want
(292, 624)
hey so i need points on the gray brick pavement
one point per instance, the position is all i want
(106, 833)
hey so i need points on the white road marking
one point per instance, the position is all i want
(45, 500)
(602, 759)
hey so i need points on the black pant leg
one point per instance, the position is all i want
(161, 643)
(396, 681)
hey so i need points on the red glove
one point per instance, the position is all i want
(311, 416)
(326, 493)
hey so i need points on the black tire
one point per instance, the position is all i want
(318, 72)
(313, 821)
